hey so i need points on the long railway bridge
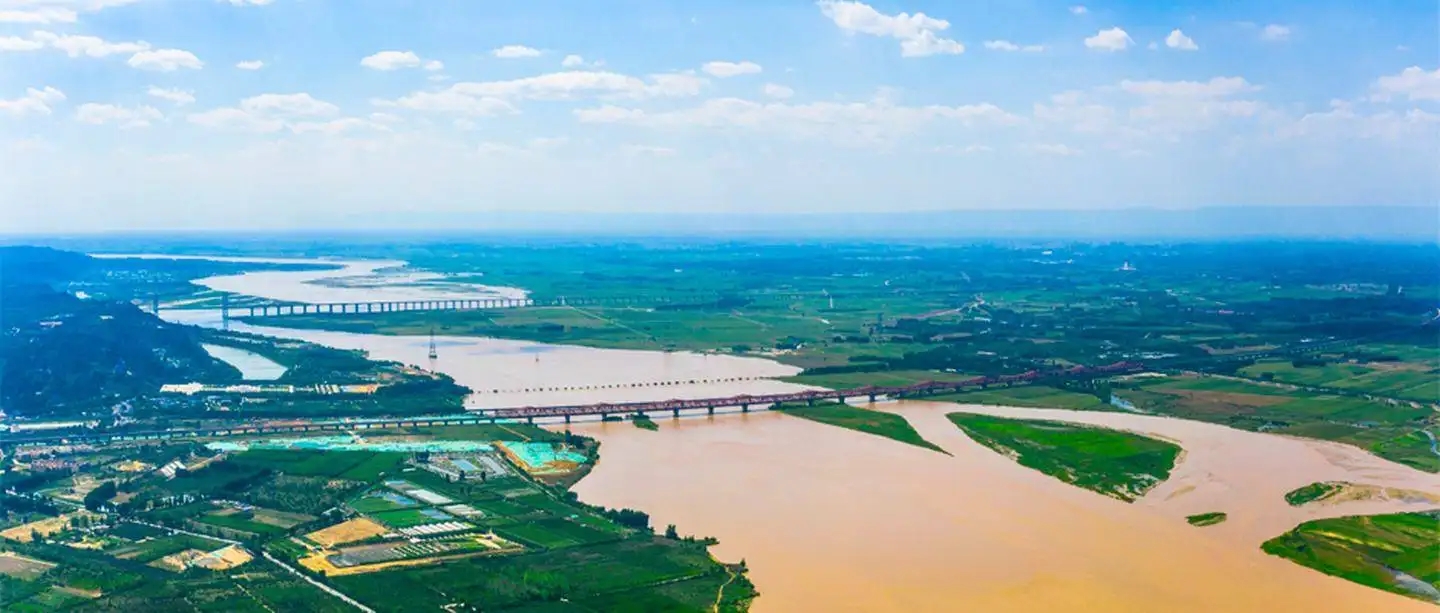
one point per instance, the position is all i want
(603, 409)
(280, 309)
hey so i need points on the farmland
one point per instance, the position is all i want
(1117, 464)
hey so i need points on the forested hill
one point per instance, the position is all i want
(62, 356)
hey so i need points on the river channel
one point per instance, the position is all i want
(829, 519)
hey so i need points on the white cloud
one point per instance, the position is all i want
(1214, 88)
(15, 43)
(1054, 149)
(779, 92)
(917, 33)
(34, 101)
(178, 96)
(730, 69)
(857, 122)
(391, 60)
(98, 114)
(1078, 10)
(966, 150)
(1414, 83)
(165, 60)
(496, 97)
(265, 113)
(572, 61)
(336, 126)
(1005, 45)
(451, 101)
(250, 65)
(1178, 40)
(249, 2)
(1114, 39)
(235, 119)
(650, 150)
(77, 45)
(1342, 121)
(1275, 33)
(511, 52)
(301, 104)
(434, 65)
(38, 15)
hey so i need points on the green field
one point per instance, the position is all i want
(555, 533)
(405, 518)
(1117, 464)
(349, 465)
(888, 425)
(574, 573)
(1036, 396)
(1370, 550)
(882, 378)
(1389, 430)
(1407, 380)
(241, 523)
(1207, 519)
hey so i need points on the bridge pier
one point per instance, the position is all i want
(744, 408)
(676, 412)
(567, 420)
(872, 398)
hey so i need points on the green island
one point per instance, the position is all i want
(1207, 519)
(1395, 552)
(1117, 464)
(1313, 492)
(644, 422)
(869, 421)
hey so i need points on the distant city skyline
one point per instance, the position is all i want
(134, 115)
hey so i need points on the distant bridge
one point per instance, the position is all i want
(278, 309)
(602, 409)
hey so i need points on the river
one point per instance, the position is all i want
(830, 519)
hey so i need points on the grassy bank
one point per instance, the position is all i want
(1370, 550)
(878, 423)
(1117, 464)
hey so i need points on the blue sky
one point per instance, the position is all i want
(181, 114)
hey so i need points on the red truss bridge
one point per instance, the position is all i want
(745, 401)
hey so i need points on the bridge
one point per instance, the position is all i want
(279, 309)
(602, 409)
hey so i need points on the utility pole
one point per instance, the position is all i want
(433, 354)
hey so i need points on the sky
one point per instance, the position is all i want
(129, 115)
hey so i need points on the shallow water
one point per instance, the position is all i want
(834, 520)
(252, 366)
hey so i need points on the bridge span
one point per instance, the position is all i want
(602, 409)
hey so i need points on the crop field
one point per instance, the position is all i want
(157, 548)
(407, 518)
(1395, 552)
(243, 522)
(869, 421)
(493, 583)
(1388, 430)
(381, 500)
(357, 529)
(348, 465)
(556, 533)
(1117, 464)
(21, 567)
